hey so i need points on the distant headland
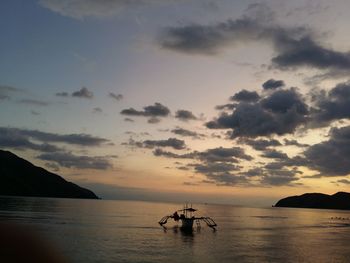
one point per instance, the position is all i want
(340, 200)
(19, 177)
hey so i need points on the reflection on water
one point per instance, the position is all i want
(122, 231)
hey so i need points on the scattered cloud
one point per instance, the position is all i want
(343, 181)
(69, 160)
(161, 153)
(171, 142)
(260, 144)
(153, 120)
(219, 154)
(187, 133)
(293, 142)
(274, 154)
(80, 9)
(62, 94)
(97, 110)
(272, 84)
(74, 139)
(332, 105)
(153, 111)
(228, 106)
(246, 96)
(185, 115)
(223, 154)
(33, 102)
(156, 110)
(331, 158)
(117, 97)
(281, 112)
(34, 112)
(83, 93)
(6, 92)
(293, 46)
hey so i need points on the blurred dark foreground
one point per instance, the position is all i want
(20, 243)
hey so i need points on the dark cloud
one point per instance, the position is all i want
(306, 52)
(220, 173)
(255, 172)
(161, 153)
(261, 144)
(274, 154)
(80, 9)
(284, 177)
(75, 139)
(97, 110)
(133, 143)
(331, 158)
(171, 142)
(202, 39)
(220, 166)
(219, 154)
(190, 183)
(6, 88)
(62, 94)
(153, 120)
(83, 93)
(246, 96)
(223, 154)
(332, 105)
(33, 102)
(13, 138)
(156, 110)
(187, 133)
(277, 173)
(34, 112)
(228, 106)
(215, 168)
(281, 112)
(278, 165)
(272, 84)
(6, 92)
(4, 97)
(185, 115)
(282, 101)
(294, 46)
(343, 181)
(70, 160)
(117, 97)
(128, 120)
(295, 143)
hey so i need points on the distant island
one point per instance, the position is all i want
(19, 177)
(340, 200)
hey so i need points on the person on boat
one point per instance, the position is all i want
(176, 216)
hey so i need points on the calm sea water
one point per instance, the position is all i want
(127, 231)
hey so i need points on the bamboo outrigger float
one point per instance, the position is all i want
(187, 218)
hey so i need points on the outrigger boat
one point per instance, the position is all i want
(187, 218)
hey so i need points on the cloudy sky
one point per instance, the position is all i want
(240, 102)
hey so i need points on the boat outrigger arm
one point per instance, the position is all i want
(187, 218)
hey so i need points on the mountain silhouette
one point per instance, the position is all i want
(340, 200)
(19, 177)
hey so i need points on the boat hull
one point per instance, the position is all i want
(187, 223)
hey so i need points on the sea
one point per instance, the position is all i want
(128, 231)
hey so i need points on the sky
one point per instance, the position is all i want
(237, 102)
